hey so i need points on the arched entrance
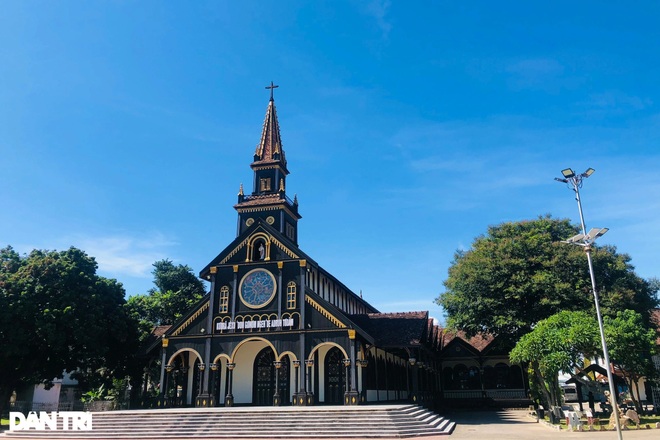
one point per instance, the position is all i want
(283, 381)
(264, 378)
(183, 378)
(218, 380)
(334, 377)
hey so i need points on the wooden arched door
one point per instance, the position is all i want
(263, 383)
(334, 377)
(284, 382)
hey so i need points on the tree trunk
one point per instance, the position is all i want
(540, 382)
(637, 401)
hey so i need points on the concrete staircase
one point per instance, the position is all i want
(377, 421)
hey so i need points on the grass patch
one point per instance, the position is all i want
(605, 421)
(649, 419)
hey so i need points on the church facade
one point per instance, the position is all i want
(278, 329)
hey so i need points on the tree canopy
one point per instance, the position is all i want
(557, 344)
(177, 290)
(56, 315)
(566, 340)
(519, 273)
(631, 345)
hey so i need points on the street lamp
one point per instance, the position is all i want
(586, 240)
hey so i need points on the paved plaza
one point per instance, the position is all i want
(516, 424)
(494, 425)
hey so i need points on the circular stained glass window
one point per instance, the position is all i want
(257, 288)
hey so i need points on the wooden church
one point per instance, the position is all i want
(278, 329)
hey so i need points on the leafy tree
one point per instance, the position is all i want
(557, 344)
(519, 273)
(564, 342)
(177, 290)
(631, 344)
(56, 315)
(179, 279)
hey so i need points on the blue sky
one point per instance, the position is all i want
(126, 128)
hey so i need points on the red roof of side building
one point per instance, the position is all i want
(156, 334)
(479, 342)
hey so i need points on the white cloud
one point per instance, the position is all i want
(533, 68)
(126, 255)
(117, 255)
(540, 74)
(378, 10)
(612, 103)
(418, 304)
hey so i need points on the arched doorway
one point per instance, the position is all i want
(183, 378)
(264, 378)
(334, 377)
(218, 380)
(283, 380)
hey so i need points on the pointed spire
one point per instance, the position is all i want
(241, 194)
(269, 148)
(281, 185)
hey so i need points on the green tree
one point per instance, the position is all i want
(519, 273)
(631, 344)
(177, 290)
(557, 344)
(56, 315)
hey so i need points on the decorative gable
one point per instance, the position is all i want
(332, 318)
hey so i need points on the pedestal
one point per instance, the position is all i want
(351, 398)
(204, 401)
(303, 399)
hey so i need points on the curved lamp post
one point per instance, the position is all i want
(586, 240)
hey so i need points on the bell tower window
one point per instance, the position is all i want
(264, 184)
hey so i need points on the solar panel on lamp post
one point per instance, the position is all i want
(585, 240)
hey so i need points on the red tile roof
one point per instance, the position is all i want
(479, 342)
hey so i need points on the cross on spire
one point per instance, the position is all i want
(271, 87)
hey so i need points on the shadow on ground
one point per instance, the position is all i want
(494, 417)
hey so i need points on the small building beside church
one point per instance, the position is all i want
(278, 329)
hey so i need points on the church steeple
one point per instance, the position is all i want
(268, 200)
(269, 149)
(269, 159)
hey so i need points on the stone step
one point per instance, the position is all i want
(393, 421)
